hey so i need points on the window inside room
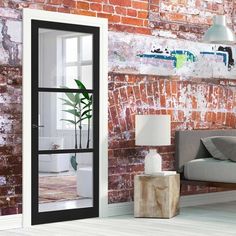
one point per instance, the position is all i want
(77, 64)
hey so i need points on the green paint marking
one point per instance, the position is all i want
(180, 60)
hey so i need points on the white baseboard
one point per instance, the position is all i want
(117, 209)
(10, 222)
(127, 208)
(207, 198)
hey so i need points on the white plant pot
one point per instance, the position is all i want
(84, 181)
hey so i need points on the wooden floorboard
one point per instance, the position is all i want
(209, 220)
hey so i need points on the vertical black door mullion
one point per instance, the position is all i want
(62, 215)
(34, 106)
(96, 121)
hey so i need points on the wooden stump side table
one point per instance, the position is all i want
(156, 196)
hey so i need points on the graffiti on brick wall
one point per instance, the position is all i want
(178, 57)
(11, 42)
(10, 46)
(138, 54)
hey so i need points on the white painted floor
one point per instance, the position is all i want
(65, 205)
(209, 220)
(64, 173)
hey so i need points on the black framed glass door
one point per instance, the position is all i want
(65, 121)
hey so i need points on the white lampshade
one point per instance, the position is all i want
(152, 130)
(219, 32)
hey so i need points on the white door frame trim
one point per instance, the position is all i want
(28, 15)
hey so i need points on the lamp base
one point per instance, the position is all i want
(152, 162)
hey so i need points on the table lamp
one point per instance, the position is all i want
(152, 130)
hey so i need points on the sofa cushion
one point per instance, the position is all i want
(221, 147)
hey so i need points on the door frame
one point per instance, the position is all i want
(32, 14)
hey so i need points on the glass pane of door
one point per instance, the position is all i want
(63, 55)
(65, 181)
(65, 121)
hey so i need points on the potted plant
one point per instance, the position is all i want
(79, 106)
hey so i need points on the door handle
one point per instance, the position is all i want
(37, 126)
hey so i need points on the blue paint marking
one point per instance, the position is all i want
(223, 54)
(190, 56)
(159, 56)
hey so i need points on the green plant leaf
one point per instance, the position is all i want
(67, 102)
(77, 98)
(81, 86)
(83, 100)
(85, 118)
(71, 96)
(73, 162)
(73, 112)
(87, 105)
(89, 116)
(71, 121)
(85, 112)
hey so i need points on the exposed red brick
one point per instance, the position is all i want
(183, 2)
(50, 8)
(56, 2)
(95, 6)
(142, 14)
(155, 2)
(132, 21)
(112, 18)
(144, 94)
(50, 2)
(9, 211)
(140, 30)
(173, 16)
(109, 9)
(120, 10)
(126, 3)
(83, 5)
(140, 5)
(83, 12)
(63, 10)
(69, 3)
(173, 87)
(131, 12)
(130, 29)
(154, 8)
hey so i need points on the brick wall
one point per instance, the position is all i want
(186, 19)
(140, 94)
(10, 140)
(128, 94)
